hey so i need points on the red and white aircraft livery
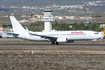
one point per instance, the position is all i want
(55, 37)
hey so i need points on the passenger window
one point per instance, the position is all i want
(96, 33)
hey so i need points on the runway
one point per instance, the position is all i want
(5, 42)
(55, 45)
(22, 55)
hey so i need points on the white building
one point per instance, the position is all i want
(72, 17)
(102, 26)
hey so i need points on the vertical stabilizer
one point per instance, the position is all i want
(17, 27)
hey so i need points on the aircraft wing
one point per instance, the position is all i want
(42, 36)
(46, 37)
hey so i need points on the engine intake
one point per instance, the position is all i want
(62, 40)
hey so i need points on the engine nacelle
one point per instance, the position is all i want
(62, 40)
(70, 41)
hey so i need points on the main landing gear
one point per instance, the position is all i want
(93, 42)
(54, 42)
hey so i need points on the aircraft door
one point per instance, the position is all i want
(25, 36)
(88, 35)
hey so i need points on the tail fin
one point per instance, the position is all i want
(17, 27)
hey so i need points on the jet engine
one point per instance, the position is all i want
(70, 41)
(62, 40)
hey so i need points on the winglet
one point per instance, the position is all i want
(27, 30)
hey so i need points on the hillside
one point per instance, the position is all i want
(40, 2)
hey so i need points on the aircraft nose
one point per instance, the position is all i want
(101, 35)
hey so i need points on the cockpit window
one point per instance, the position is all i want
(96, 33)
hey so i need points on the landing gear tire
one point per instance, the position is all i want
(93, 43)
(57, 43)
(52, 42)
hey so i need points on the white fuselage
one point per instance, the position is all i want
(53, 36)
(69, 35)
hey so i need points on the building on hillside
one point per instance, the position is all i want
(23, 15)
(72, 17)
(6, 29)
(70, 26)
(3, 32)
(102, 26)
(86, 18)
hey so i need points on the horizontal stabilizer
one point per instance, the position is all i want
(14, 34)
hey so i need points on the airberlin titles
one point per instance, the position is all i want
(77, 32)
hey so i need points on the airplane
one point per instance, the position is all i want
(55, 37)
